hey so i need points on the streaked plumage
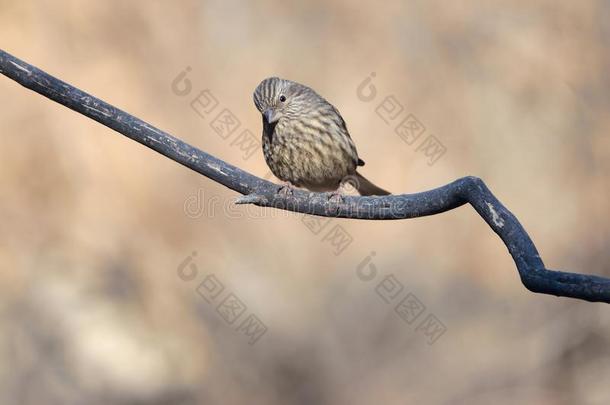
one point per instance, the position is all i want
(305, 140)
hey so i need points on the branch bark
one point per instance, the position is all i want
(467, 190)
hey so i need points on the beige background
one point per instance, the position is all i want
(94, 225)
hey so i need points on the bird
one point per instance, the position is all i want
(305, 140)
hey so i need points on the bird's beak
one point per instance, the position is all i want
(271, 115)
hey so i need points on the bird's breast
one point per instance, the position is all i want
(307, 156)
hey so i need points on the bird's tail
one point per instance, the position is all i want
(365, 187)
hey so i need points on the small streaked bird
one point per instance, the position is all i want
(305, 139)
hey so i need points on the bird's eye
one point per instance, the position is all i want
(282, 98)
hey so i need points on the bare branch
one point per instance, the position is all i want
(471, 190)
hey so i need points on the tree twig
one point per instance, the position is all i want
(471, 190)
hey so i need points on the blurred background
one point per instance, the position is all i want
(129, 279)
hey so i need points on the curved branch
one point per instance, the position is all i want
(471, 190)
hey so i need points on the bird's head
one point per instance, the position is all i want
(279, 98)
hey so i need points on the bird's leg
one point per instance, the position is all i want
(346, 186)
(336, 197)
(286, 189)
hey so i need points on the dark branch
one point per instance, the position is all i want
(471, 190)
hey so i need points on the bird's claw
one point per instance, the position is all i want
(336, 198)
(286, 190)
